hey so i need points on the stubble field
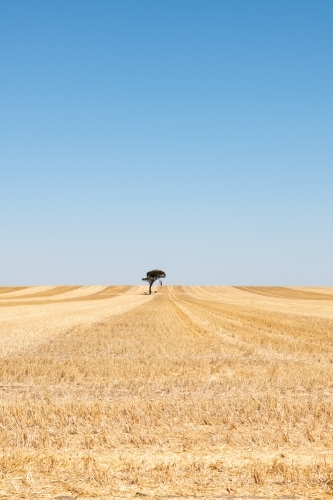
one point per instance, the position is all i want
(192, 392)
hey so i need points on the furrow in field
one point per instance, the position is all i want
(226, 297)
(221, 345)
(226, 329)
(232, 333)
(253, 340)
(278, 333)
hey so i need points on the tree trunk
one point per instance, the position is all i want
(150, 285)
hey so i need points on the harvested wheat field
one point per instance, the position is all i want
(191, 392)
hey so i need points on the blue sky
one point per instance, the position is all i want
(192, 136)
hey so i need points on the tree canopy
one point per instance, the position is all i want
(152, 276)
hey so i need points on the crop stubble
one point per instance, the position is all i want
(192, 391)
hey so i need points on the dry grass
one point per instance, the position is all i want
(194, 391)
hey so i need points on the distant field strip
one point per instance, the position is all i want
(41, 292)
(8, 289)
(60, 294)
(200, 392)
(288, 293)
(56, 290)
(24, 290)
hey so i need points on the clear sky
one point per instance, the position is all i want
(192, 136)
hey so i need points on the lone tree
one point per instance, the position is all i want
(152, 276)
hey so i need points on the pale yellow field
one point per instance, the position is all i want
(192, 392)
